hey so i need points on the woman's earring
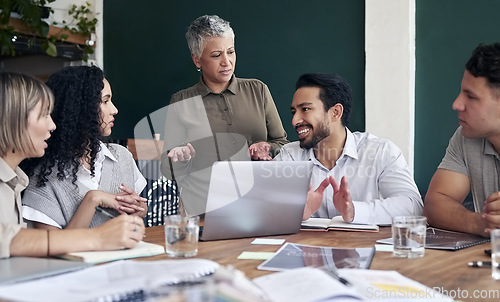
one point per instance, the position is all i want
(198, 69)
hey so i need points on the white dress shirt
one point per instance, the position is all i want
(379, 180)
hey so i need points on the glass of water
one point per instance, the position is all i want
(495, 253)
(181, 235)
(408, 235)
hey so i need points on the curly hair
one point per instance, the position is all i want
(77, 96)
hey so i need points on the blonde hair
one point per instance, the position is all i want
(19, 94)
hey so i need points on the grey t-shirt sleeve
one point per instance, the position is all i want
(454, 158)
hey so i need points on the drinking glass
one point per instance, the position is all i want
(181, 235)
(408, 235)
(495, 253)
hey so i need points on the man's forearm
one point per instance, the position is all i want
(448, 214)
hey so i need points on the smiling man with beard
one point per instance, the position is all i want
(356, 174)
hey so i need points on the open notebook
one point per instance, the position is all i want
(335, 224)
(142, 249)
(308, 284)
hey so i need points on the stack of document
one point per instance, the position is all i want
(310, 284)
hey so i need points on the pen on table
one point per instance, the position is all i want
(343, 281)
(99, 209)
(479, 264)
(335, 275)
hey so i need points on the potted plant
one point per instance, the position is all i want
(32, 27)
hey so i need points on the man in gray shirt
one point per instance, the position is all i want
(471, 162)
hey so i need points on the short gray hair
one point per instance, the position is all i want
(204, 27)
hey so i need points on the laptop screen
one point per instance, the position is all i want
(255, 198)
(17, 269)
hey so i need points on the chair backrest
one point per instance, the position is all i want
(163, 200)
(161, 193)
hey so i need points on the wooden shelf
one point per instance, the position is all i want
(22, 28)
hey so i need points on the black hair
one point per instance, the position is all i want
(334, 90)
(77, 95)
(485, 62)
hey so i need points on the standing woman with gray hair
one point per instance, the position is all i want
(229, 105)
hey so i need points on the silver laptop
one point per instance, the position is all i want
(255, 198)
(18, 269)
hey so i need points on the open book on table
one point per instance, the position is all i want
(311, 284)
(142, 249)
(336, 223)
(446, 240)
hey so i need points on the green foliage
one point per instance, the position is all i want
(31, 12)
(85, 24)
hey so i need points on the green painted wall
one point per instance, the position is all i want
(446, 33)
(147, 59)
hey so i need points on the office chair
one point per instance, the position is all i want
(162, 196)
(162, 193)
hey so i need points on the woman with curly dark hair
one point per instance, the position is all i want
(79, 174)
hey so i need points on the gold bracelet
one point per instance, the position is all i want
(48, 243)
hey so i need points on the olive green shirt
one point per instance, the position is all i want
(220, 126)
(245, 107)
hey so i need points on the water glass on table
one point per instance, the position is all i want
(181, 235)
(408, 235)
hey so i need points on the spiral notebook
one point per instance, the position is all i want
(446, 240)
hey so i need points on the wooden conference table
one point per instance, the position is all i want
(443, 270)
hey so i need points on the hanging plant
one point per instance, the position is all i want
(84, 23)
(32, 14)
